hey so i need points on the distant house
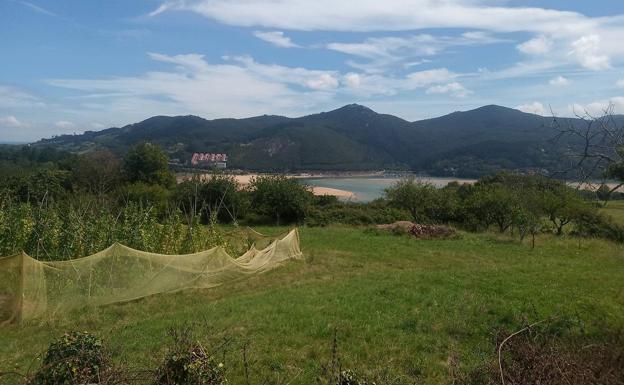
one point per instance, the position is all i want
(209, 160)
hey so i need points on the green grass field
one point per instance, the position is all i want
(400, 306)
(616, 210)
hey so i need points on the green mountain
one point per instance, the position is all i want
(353, 137)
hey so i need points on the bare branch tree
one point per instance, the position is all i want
(594, 147)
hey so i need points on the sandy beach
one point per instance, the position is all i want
(245, 179)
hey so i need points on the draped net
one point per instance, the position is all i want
(30, 288)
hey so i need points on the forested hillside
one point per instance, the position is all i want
(354, 137)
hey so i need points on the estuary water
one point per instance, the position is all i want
(366, 189)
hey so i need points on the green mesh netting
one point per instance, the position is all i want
(30, 288)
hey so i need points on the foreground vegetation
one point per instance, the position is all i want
(386, 307)
(405, 310)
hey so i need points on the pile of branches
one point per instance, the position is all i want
(431, 231)
(419, 230)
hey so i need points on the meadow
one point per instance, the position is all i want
(402, 309)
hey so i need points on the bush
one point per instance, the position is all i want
(283, 199)
(376, 212)
(188, 363)
(147, 194)
(76, 358)
(147, 163)
(595, 224)
(349, 377)
(217, 196)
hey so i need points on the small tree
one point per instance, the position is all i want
(97, 172)
(493, 204)
(561, 206)
(283, 199)
(147, 163)
(414, 196)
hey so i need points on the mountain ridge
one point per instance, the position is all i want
(353, 137)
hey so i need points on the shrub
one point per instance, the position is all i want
(376, 212)
(217, 196)
(414, 196)
(188, 363)
(595, 224)
(282, 198)
(349, 377)
(75, 358)
(148, 163)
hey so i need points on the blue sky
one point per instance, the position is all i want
(70, 66)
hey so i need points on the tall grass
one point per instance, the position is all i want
(58, 231)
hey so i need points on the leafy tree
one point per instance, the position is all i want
(97, 172)
(414, 196)
(283, 199)
(561, 206)
(147, 163)
(493, 204)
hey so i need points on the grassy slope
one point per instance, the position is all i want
(616, 210)
(398, 304)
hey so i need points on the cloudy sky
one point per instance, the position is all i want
(70, 66)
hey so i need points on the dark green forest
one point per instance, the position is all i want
(462, 144)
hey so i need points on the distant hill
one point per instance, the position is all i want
(354, 137)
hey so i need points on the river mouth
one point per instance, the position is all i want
(366, 189)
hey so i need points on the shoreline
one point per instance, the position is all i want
(245, 180)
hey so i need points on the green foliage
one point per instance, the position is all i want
(435, 300)
(414, 196)
(217, 196)
(188, 363)
(493, 204)
(97, 172)
(471, 144)
(376, 212)
(147, 163)
(596, 224)
(283, 199)
(58, 231)
(147, 194)
(75, 358)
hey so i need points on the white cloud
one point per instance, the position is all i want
(386, 51)
(427, 77)
(614, 105)
(193, 62)
(352, 80)
(12, 97)
(559, 81)
(565, 37)
(533, 108)
(537, 46)
(324, 81)
(588, 52)
(64, 124)
(455, 89)
(238, 87)
(245, 87)
(620, 83)
(36, 8)
(389, 15)
(10, 121)
(276, 38)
